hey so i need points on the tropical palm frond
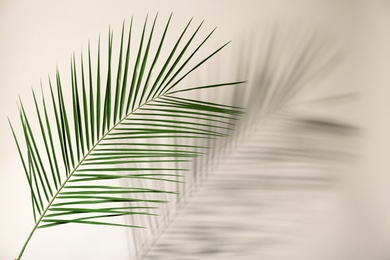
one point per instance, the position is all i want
(129, 124)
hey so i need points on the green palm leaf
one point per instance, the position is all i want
(129, 124)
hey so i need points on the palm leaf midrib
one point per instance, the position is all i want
(82, 160)
(50, 203)
(89, 152)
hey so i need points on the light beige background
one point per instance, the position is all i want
(37, 35)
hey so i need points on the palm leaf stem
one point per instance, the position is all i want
(38, 222)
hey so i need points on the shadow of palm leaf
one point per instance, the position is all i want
(260, 197)
(252, 196)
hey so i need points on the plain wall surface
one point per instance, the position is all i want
(35, 36)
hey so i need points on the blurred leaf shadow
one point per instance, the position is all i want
(252, 196)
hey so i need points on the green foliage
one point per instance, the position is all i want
(126, 125)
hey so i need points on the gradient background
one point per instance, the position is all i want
(37, 35)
